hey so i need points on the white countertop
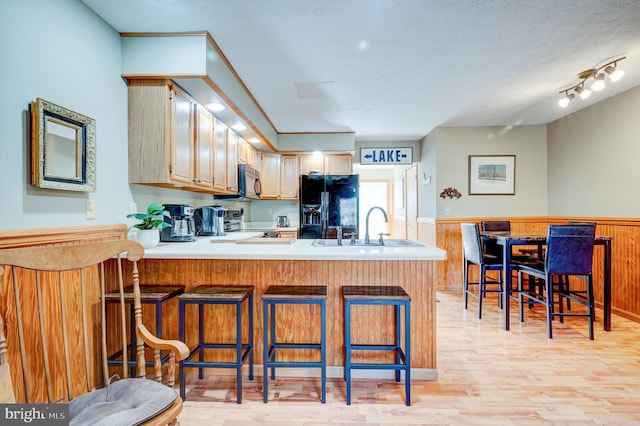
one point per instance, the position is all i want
(204, 248)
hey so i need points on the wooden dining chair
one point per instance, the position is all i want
(569, 253)
(57, 339)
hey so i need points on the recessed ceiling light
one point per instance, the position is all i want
(239, 127)
(216, 107)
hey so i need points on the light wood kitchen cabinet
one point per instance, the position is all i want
(310, 163)
(232, 161)
(161, 134)
(220, 156)
(328, 164)
(203, 178)
(270, 176)
(242, 151)
(252, 153)
(290, 177)
(338, 164)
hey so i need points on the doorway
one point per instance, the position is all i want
(374, 193)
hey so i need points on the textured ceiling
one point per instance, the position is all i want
(396, 69)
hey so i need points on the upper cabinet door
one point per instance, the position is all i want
(270, 176)
(309, 163)
(220, 156)
(182, 137)
(290, 177)
(338, 164)
(204, 149)
(232, 161)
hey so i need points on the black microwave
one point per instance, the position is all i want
(249, 186)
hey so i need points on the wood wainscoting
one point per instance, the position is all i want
(625, 254)
(368, 324)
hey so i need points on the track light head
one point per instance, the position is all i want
(563, 102)
(598, 82)
(582, 92)
(614, 73)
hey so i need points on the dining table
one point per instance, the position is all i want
(509, 239)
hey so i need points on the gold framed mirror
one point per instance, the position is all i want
(63, 148)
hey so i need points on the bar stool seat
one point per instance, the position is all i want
(379, 295)
(218, 295)
(150, 294)
(291, 295)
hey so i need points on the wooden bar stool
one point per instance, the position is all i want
(379, 295)
(218, 295)
(156, 295)
(292, 295)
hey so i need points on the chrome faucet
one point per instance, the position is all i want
(366, 235)
(339, 235)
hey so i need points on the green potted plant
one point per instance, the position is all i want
(150, 225)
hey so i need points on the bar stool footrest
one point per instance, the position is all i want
(376, 366)
(247, 348)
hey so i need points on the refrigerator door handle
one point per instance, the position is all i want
(324, 212)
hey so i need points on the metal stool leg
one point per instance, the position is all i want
(239, 352)
(323, 350)
(250, 336)
(265, 350)
(181, 337)
(347, 345)
(398, 338)
(407, 348)
(273, 339)
(200, 339)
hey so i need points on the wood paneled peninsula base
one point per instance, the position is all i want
(300, 263)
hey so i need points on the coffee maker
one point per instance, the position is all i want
(209, 220)
(181, 220)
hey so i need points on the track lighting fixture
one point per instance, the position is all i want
(609, 69)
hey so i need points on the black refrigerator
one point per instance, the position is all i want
(326, 202)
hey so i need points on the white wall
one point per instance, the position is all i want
(593, 157)
(62, 52)
(428, 178)
(452, 148)
(59, 50)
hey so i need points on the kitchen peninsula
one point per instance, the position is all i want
(234, 260)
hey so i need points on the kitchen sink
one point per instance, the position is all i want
(372, 243)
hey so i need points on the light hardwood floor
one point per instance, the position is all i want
(486, 376)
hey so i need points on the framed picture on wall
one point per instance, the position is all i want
(492, 175)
